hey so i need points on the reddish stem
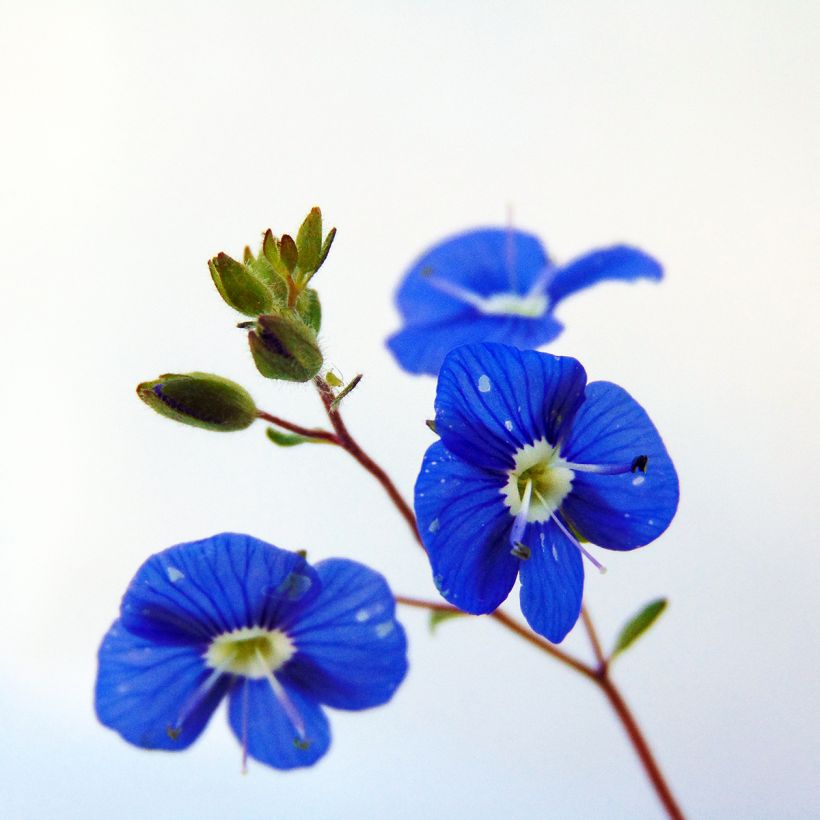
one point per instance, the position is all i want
(345, 440)
(324, 435)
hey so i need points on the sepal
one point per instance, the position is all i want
(239, 287)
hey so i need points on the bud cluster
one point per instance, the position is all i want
(271, 287)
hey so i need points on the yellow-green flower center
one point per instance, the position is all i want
(252, 652)
(541, 466)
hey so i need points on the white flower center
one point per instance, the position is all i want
(539, 466)
(532, 306)
(252, 652)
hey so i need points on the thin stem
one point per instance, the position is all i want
(345, 440)
(307, 432)
(641, 748)
(593, 639)
(599, 675)
(511, 624)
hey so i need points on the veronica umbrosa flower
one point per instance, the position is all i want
(232, 615)
(532, 461)
(495, 285)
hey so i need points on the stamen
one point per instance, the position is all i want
(282, 696)
(637, 463)
(520, 522)
(196, 697)
(595, 562)
(456, 291)
(521, 551)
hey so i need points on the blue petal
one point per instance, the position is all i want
(552, 581)
(421, 348)
(143, 689)
(465, 525)
(618, 262)
(352, 653)
(493, 399)
(195, 591)
(619, 511)
(485, 261)
(256, 714)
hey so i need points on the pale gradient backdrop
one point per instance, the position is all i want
(140, 138)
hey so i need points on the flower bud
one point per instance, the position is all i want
(238, 286)
(200, 399)
(285, 348)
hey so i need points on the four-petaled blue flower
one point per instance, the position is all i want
(495, 285)
(232, 615)
(531, 461)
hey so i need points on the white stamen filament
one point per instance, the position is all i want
(601, 469)
(282, 696)
(520, 522)
(595, 562)
(532, 305)
(201, 692)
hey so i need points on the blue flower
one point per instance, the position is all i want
(495, 285)
(232, 615)
(531, 461)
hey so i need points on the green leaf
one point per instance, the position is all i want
(354, 382)
(439, 616)
(286, 439)
(309, 241)
(638, 624)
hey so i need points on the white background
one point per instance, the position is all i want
(138, 139)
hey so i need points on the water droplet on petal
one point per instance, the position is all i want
(484, 385)
(174, 574)
(384, 629)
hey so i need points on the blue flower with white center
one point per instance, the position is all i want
(495, 285)
(232, 615)
(532, 460)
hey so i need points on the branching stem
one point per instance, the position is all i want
(597, 673)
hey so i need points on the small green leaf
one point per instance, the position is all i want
(286, 439)
(638, 624)
(439, 616)
(309, 241)
(350, 387)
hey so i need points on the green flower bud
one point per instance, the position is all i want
(285, 348)
(200, 399)
(238, 286)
